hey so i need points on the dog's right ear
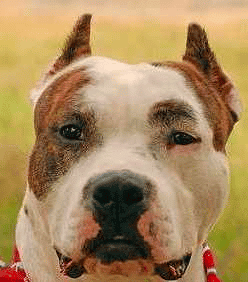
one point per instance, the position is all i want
(77, 44)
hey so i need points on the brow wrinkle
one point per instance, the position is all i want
(167, 112)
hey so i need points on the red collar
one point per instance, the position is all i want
(209, 264)
(14, 273)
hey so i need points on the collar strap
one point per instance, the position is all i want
(209, 264)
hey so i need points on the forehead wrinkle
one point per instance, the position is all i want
(142, 84)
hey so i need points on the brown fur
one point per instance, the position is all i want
(52, 156)
(199, 53)
(167, 116)
(219, 116)
(213, 87)
(77, 44)
(170, 111)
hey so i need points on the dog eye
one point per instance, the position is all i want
(181, 138)
(71, 132)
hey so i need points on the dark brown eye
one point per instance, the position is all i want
(71, 132)
(181, 138)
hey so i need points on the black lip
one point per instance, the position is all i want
(119, 250)
(75, 270)
(67, 267)
(113, 250)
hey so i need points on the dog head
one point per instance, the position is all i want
(128, 172)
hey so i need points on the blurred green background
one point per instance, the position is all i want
(30, 35)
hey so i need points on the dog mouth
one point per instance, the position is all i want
(118, 250)
(68, 267)
(110, 252)
(174, 269)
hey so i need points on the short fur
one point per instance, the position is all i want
(164, 125)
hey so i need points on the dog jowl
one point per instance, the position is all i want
(128, 172)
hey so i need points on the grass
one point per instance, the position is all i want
(26, 48)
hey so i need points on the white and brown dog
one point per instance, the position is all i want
(128, 172)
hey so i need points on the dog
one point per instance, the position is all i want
(128, 172)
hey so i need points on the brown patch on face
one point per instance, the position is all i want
(216, 109)
(213, 87)
(155, 230)
(168, 117)
(87, 230)
(170, 112)
(53, 155)
(137, 268)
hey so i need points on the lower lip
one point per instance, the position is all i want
(124, 252)
(75, 271)
(118, 251)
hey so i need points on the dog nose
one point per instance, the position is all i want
(120, 193)
(118, 190)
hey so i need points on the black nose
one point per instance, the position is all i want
(118, 193)
(118, 189)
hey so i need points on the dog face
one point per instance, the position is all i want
(128, 172)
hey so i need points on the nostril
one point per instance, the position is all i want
(102, 196)
(132, 195)
(128, 194)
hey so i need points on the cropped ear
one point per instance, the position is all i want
(199, 53)
(77, 44)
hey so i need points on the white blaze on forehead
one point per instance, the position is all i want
(124, 93)
(139, 84)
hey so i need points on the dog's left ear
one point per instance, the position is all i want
(199, 53)
(77, 44)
